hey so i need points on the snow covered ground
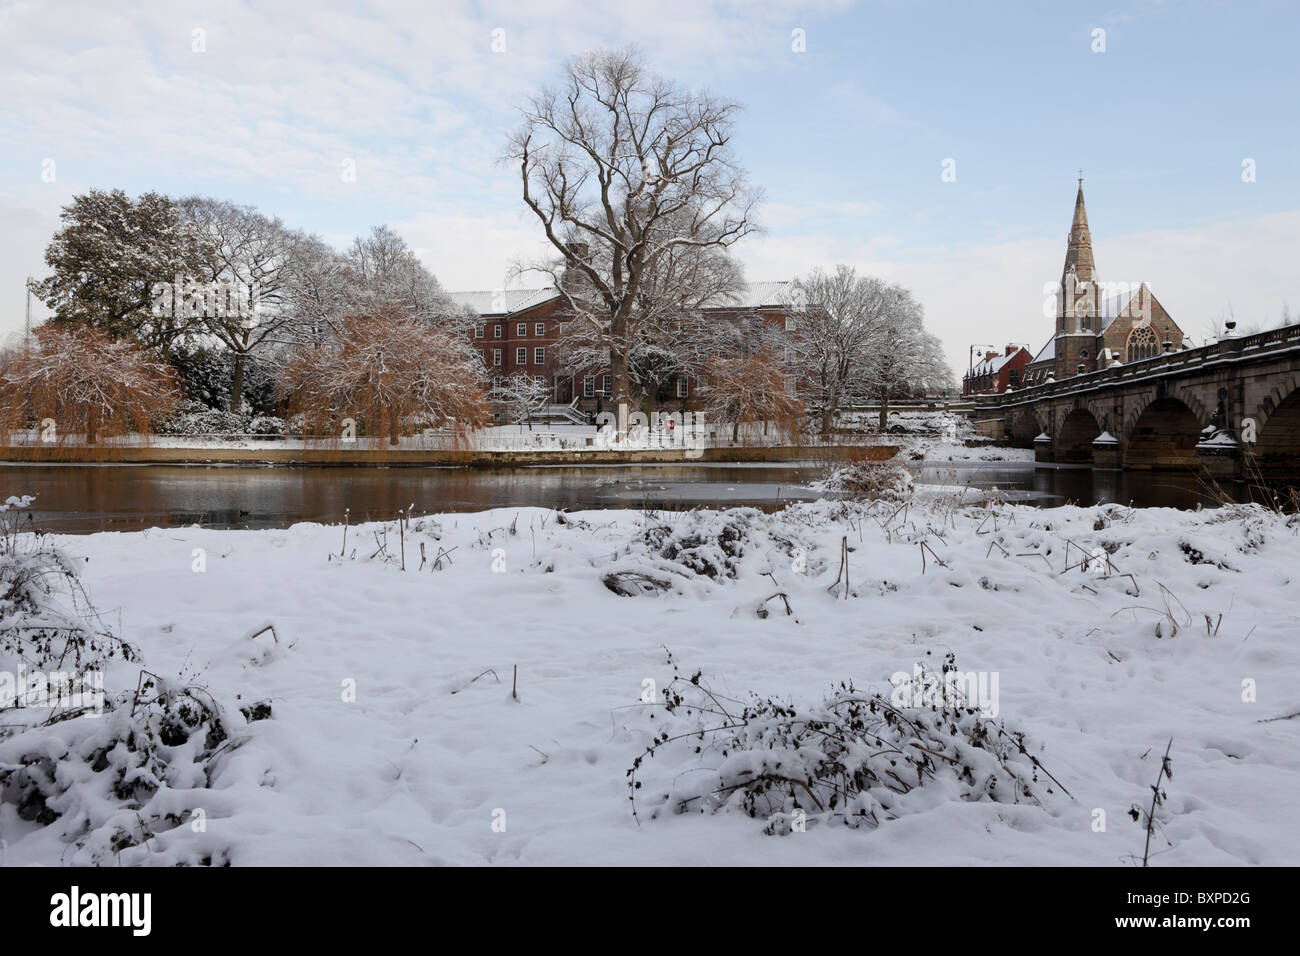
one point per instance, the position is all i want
(1100, 656)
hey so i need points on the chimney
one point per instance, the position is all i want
(571, 280)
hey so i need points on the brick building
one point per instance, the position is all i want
(518, 331)
(995, 373)
(1099, 324)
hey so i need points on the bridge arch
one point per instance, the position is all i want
(1024, 426)
(1073, 442)
(1164, 436)
(1283, 388)
(1277, 445)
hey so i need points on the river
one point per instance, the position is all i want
(87, 498)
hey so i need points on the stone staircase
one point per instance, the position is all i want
(551, 414)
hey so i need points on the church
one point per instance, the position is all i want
(1099, 324)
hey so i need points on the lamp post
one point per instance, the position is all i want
(970, 372)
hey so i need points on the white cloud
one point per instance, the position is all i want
(993, 293)
(284, 93)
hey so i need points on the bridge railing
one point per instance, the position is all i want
(1285, 337)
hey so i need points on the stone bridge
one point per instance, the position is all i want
(1229, 408)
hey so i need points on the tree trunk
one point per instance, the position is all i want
(884, 411)
(92, 425)
(830, 402)
(622, 394)
(735, 432)
(237, 385)
(395, 429)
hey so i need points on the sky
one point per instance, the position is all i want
(935, 144)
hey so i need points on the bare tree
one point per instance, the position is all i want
(387, 372)
(672, 337)
(318, 291)
(86, 383)
(750, 389)
(624, 170)
(840, 320)
(522, 395)
(385, 276)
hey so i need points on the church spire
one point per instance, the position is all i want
(1078, 254)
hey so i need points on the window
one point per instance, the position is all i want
(540, 380)
(588, 386)
(606, 383)
(496, 331)
(539, 356)
(1141, 343)
(539, 328)
(790, 323)
(521, 330)
(478, 331)
(496, 356)
(496, 386)
(521, 356)
(681, 387)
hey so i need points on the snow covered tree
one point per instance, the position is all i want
(750, 389)
(388, 373)
(317, 291)
(672, 338)
(521, 395)
(385, 276)
(908, 359)
(840, 320)
(108, 257)
(85, 383)
(261, 256)
(860, 338)
(626, 171)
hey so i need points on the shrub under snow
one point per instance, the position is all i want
(875, 480)
(855, 758)
(108, 773)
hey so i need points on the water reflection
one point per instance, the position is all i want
(1052, 485)
(83, 498)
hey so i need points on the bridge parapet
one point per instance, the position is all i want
(1171, 363)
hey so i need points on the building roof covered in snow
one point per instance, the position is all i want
(751, 295)
(503, 301)
(991, 365)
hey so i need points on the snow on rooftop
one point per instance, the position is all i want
(752, 295)
(503, 301)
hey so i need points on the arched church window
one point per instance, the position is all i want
(1141, 343)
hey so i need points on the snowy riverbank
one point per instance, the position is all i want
(433, 750)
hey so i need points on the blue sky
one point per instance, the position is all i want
(848, 138)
